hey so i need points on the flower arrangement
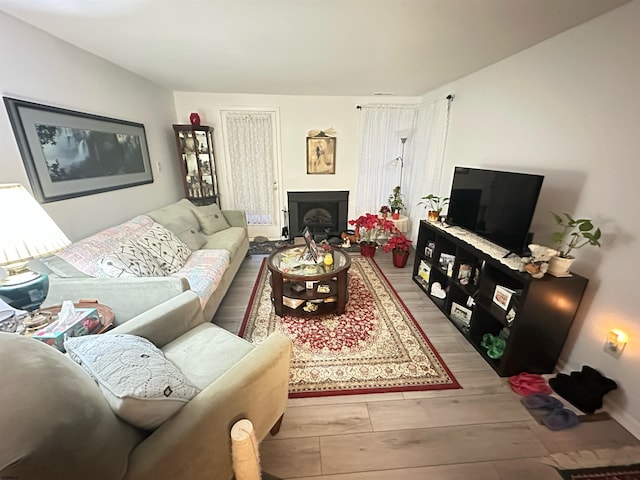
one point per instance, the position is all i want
(385, 209)
(370, 227)
(397, 243)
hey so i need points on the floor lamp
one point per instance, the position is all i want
(28, 232)
(401, 158)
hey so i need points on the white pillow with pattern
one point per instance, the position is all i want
(165, 247)
(131, 260)
(140, 384)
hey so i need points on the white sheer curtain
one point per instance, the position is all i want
(423, 171)
(249, 137)
(378, 173)
(381, 128)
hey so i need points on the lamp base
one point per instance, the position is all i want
(26, 290)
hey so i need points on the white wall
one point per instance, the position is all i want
(569, 108)
(41, 68)
(298, 115)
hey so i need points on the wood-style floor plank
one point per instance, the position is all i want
(427, 446)
(446, 411)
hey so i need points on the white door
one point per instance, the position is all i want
(252, 168)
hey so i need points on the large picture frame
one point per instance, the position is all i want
(321, 155)
(70, 154)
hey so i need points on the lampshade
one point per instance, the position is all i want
(28, 232)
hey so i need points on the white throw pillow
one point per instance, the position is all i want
(131, 260)
(166, 248)
(139, 383)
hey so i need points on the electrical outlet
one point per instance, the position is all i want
(158, 166)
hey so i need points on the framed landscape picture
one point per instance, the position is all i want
(321, 155)
(69, 154)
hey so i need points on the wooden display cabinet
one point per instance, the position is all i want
(197, 162)
(538, 313)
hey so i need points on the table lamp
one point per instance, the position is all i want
(28, 232)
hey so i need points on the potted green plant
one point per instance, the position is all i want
(369, 228)
(434, 205)
(571, 234)
(398, 244)
(395, 203)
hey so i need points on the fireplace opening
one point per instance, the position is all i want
(324, 213)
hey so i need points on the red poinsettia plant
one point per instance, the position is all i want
(370, 227)
(397, 243)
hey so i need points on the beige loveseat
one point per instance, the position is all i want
(217, 242)
(57, 424)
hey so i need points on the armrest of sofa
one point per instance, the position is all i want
(167, 321)
(127, 297)
(236, 218)
(195, 443)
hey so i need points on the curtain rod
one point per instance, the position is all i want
(448, 97)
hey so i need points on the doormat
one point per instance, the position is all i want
(601, 464)
(376, 346)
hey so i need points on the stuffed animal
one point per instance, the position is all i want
(538, 263)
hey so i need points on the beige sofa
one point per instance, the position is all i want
(218, 241)
(56, 423)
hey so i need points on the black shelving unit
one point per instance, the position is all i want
(544, 308)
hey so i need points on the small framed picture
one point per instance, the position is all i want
(446, 263)
(502, 296)
(460, 313)
(311, 244)
(464, 273)
(321, 154)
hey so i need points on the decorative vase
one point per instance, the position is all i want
(560, 266)
(399, 258)
(194, 118)
(433, 215)
(384, 215)
(367, 250)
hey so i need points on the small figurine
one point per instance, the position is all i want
(538, 263)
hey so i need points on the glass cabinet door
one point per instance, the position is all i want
(197, 161)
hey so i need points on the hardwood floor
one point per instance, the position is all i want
(479, 432)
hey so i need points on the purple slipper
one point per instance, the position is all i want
(541, 400)
(561, 419)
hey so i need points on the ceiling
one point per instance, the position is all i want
(305, 47)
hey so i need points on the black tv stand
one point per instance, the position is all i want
(544, 308)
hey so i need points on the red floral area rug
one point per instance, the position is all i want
(375, 346)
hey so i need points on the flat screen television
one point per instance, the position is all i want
(496, 205)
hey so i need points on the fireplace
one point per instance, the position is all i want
(325, 213)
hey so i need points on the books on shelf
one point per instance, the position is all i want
(424, 271)
(446, 263)
(292, 302)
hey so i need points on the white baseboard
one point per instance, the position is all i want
(618, 413)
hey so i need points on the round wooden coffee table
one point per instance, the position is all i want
(290, 279)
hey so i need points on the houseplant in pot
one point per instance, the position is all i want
(384, 211)
(434, 205)
(369, 228)
(570, 235)
(399, 246)
(396, 203)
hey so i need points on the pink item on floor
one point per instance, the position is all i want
(527, 383)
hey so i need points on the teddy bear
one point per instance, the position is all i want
(538, 263)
